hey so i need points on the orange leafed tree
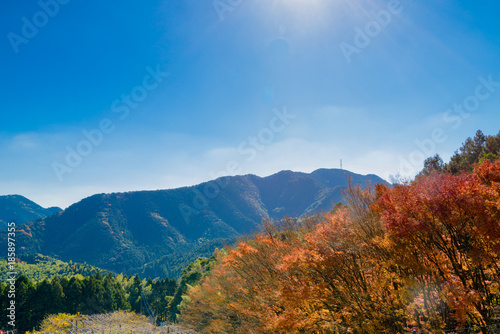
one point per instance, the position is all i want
(242, 294)
(445, 231)
(322, 275)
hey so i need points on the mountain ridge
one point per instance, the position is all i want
(21, 210)
(158, 232)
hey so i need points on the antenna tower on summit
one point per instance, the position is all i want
(340, 163)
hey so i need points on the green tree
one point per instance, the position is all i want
(432, 164)
(25, 293)
(93, 295)
(134, 298)
(4, 303)
(491, 149)
(58, 296)
(74, 295)
(173, 309)
(191, 276)
(470, 153)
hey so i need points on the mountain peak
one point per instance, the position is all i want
(21, 210)
(124, 231)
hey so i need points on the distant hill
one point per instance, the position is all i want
(21, 210)
(160, 232)
(38, 267)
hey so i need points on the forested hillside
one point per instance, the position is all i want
(21, 210)
(37, 267)
(157, 233)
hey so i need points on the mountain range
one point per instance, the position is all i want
(157, 233)
(21, 210)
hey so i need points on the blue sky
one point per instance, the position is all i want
(107, 96)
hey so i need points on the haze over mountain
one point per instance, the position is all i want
(21, 210)
(158, 232)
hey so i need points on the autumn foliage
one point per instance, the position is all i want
(446, 232)
(417, 256)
